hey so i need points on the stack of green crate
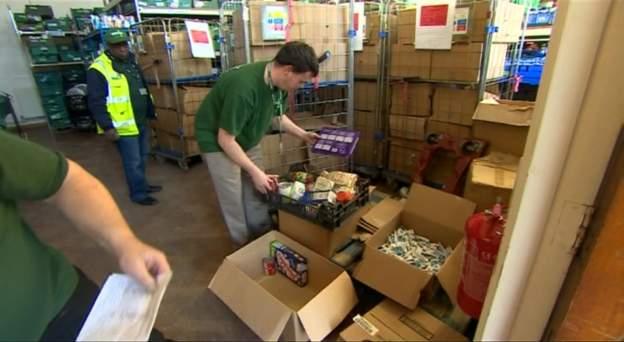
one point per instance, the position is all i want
(28, 23)
(211, 4)
(82, 17)
(181, 3)
(68, 53)
(43, 51)
(50, 84)
(74, 76)
(154, 3)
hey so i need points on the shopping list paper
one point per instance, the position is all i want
(124, 310)
(434, 24)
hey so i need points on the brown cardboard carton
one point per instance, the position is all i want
(190, 97)
(454, 105)
(407, 62)
(372, 29)
(324, 241)
(407, 27)
(167, 120)
(368, 150)
(490, 178)
(275, 308)
(411, 99)
(190, 67)
(454, 130)
(381, 214)
(463, 62)
(365, 95)
(434, 214)
(389, 321)
(180, 41)
(172, 142)
(504, 124)
(407, 127)
(508, 19)
(366, 62)
(364, 121)
(293, 151)
(404, 156)
(257, 54)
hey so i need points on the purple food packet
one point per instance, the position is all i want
(336, 141)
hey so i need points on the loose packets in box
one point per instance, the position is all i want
(416, 250)
(290, 263)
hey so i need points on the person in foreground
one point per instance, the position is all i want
(42, 296)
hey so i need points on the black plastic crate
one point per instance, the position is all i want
(323, 213)
(43, 11)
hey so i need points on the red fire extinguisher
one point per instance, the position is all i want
(484, 232)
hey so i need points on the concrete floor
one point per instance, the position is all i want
(186, 224)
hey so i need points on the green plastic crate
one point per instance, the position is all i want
(44, 11)
(70, 56)
(53, 101)
(74, 75)
(51, 90)
(80, 12)
(48, 78)
(45, 59)
(181, 3)
(31, 27)
(43, 48)
(53, 109)
(5, 106)
(20, 18)
(98, 10)
(211, 4)
(61, 123)
(154, 3)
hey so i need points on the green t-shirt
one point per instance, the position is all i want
(242, 104)
(36, 280)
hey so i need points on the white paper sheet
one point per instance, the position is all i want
(124, 310)
(200, 38)
(434, 24)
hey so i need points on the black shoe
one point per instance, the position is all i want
(154, 188)
(147, 201)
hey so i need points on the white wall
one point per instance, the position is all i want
(17, 78)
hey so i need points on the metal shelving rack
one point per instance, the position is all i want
(74, 35)
(142, 13)
(329, 101)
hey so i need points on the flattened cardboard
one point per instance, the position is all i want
(383, 213)
(504, 124)
(274, 307)
(323, 241)
(395, 323)
(431, 213)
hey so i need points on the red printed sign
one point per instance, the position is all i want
(435, 15)
(200, 37)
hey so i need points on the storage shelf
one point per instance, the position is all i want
(181, 11)
(51, 33)
(112, 4)
(47, 65)
(538, 31)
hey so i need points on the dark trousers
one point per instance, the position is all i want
(68, 322)
(134, 151)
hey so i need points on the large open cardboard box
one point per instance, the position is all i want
(273, 306)
(490, 178)
(322, 240)
(434, 214)
(504, 124)
(389, 321)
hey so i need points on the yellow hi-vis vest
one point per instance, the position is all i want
(118, 101)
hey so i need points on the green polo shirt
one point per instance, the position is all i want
(36, 280)
(241, 103)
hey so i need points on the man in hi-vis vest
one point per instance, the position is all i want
(120, 102)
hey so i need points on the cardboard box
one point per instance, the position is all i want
(275, 308)
(508, 19)
(407, 27)
(434, 214)
(372, 28)
(407, 127)
(369, 152)
(412, 99)
(365, 95)
(167, 120)
(407, 62)
(389, 321)
(171, 142)
(364, 121)
(504, 124)
(457, 131)
(180, 40)
(490, 178)
(257, 54)
(293, 151)
(463, 62)
(404, 156)
(324, 241)
(454, 105)
(190, 97)
(156, 67)
(366, 62)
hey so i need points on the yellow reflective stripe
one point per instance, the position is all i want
(117, 99)
(124, 123)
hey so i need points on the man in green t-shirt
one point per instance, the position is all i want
(42, 296)
(233, 119)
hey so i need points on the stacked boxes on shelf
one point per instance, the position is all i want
(50, 84)
(444, 105)
(365, 102)
(82, 18)
(43, 50)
